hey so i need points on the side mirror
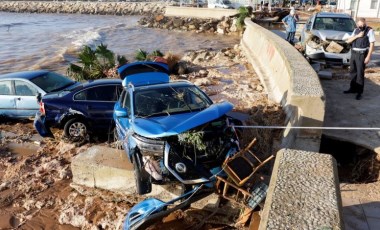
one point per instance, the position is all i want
(121, 112)
(39, 97)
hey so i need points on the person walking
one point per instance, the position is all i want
(290, 22)
(363, 43)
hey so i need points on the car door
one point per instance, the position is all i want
(25, 98)
(97, 103)
(122, 123)
(7, 99)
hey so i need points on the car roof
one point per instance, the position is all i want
(332, 15)
(164, 85)
(105, 81)
(24, 74)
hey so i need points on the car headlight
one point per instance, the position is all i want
(150, 146)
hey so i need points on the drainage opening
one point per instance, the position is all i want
(356, 164)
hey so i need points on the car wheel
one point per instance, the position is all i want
(75, 128)
(142, 178)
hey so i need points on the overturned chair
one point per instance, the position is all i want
(243, 185)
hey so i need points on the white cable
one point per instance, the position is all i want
(304, 127)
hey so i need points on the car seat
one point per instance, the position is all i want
(23, 90)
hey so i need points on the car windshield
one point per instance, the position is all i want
(52, 82)
(338, 24)
(169, 100)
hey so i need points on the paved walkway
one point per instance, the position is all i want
(360, 213)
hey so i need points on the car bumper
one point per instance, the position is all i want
(328, 58)
(41, 126)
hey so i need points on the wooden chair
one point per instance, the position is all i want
(241, 166)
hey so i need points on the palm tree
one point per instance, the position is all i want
(94, 64)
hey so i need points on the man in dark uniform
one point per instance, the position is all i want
(363, 43)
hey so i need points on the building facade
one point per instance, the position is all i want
(366, 8)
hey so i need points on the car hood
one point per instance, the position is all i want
(155, 127)
(331, 34)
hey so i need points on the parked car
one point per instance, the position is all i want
(83, 108)
(225, 4)
(18, 91)
(321, 30)
(171, 131)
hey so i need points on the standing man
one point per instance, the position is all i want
(363, 43)
(290, 22)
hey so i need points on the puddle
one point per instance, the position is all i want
(22, 149)
(356, 164)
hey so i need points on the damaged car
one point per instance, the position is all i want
(323, 38)
(80, 110)
(171, 130)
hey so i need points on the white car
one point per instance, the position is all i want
(225, 4)
(323, 38)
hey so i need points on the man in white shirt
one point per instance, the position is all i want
(363, 43)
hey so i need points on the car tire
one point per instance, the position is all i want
(75, 128)
(142, 178)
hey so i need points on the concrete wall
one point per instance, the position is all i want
(303, 193)
(289, 80)
(174, 11)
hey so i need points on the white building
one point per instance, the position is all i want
(366, 8)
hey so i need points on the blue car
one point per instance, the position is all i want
(18, 91)
(171, 131)
(80, 110)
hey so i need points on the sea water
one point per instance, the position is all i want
(52, 41)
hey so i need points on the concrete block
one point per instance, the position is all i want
(108, 168)
(303, 193)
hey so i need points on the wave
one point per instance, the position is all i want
(9, 25)
(80, 38)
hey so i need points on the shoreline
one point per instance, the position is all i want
(76, 7)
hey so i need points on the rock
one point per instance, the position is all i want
(159, 18)
(182, 68)
(178, 22)
(259, 88)
(202, 56)
(4, 186)
(28, 204)
(192, 27)
(72, 216)
(202, 82)
(220, 30)
(203, 73)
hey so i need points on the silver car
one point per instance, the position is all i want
(18, 91)
(323, 38)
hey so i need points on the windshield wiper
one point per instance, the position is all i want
(154, 114)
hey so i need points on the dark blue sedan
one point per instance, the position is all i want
(81, 109)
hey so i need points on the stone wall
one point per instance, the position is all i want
(289, 80)
(303, 193)
(106, 8)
